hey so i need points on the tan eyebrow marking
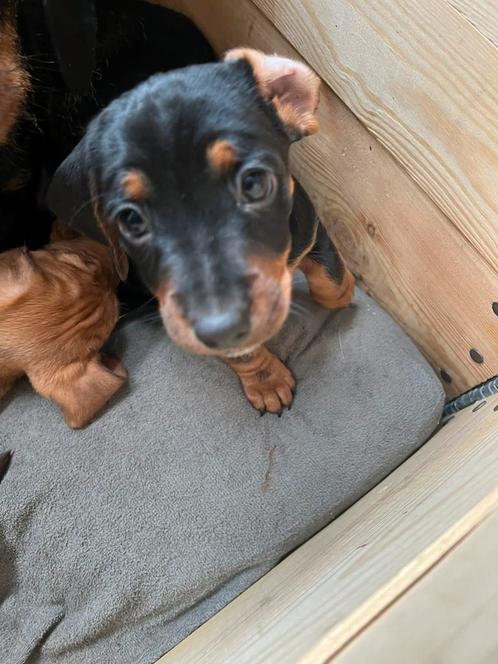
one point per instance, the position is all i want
(135, 185)
(221, 155)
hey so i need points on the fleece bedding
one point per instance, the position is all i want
(118, 540)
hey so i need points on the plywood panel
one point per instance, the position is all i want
(405, 250)
(325, 593)
(425, 82)
(449, 616)
(483, 14)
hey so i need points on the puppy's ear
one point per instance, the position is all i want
(291, 86)
(74, 198)
(72, 25)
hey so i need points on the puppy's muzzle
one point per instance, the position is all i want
(223, 329)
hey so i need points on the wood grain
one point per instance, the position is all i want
(408, 254)
(482, 14)
(449, 616)
(324, 594)
(422, 80)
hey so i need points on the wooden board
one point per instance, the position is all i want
(428, 90)
(482, 14)
(449, 616)
(309, 607)
(406, 252)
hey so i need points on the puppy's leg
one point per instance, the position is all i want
(83, 388)
(266, 381)
(7, 381)
(331, 284)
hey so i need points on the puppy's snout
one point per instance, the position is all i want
(226, 329)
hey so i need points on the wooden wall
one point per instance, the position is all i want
(405, 169)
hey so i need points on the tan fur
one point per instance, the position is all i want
(270, 296)
(135, 185)
(291, 185)
(221, 155)
(266, 381)
(323, 290)
(57, 308)
(61, 231)
(14, 81)
(292, 87)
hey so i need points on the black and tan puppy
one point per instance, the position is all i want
(188, 173)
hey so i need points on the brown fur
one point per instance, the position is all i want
(291, 86)
(57, 308)
(291, 185)
(61, 231)
(323, 289)
(221, 155)
(266, 381)
(14, 81)
(270, 297)
(135, 185)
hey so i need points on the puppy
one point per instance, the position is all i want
(57, 308)
(188, 174)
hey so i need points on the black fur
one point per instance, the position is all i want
(75, 72)
(202, 239)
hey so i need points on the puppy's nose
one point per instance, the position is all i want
(222, 330)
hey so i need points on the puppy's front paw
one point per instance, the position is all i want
(270, 389)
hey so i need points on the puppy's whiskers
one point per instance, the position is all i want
(90, 201)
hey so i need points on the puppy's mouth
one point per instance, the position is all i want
(223, 335)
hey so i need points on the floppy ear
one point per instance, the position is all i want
(291, 86)
(74, 198)
(72, 25)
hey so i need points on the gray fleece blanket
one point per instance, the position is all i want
(119, 540)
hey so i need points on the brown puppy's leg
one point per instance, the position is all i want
(7, 382)
(331, 284)
(266, 381)
(82, 389)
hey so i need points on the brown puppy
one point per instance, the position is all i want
(57, 308)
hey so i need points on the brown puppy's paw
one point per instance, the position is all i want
(82, 389)
(266, 381)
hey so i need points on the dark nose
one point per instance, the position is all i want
(222, 330)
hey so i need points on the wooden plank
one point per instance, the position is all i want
(449, 616)
(482, 14)
(423, 81)
(405, 250)
(314, 602)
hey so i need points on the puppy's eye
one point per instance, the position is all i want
(256, 185)
(132, 224)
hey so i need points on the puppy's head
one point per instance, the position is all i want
(188, 174)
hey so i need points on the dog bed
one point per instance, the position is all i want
(118, 540)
